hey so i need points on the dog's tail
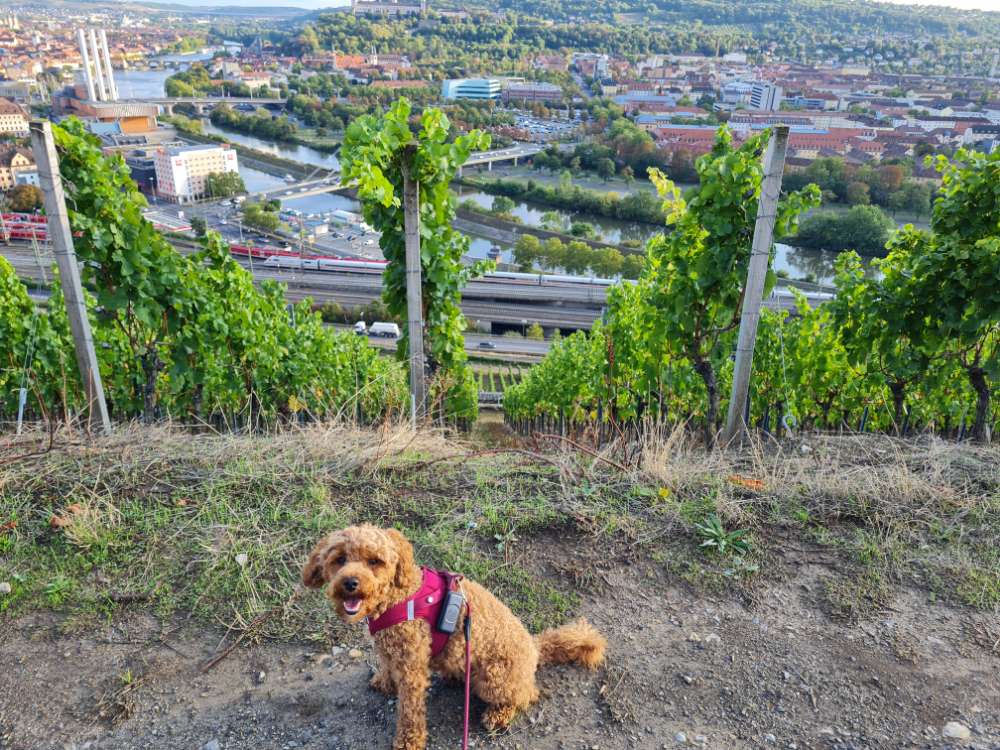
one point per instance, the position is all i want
(575, 643)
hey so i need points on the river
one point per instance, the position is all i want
(798, 263)
(293, 151)
(149, 84)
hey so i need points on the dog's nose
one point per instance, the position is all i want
(350, 584)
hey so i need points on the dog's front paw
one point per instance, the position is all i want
(383, 683)
(498, 717)
(411, 740)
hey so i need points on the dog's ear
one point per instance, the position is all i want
(313, 575)
(404, 559)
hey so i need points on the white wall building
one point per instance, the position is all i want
(13, 119)
(181, 171)
(765, 96)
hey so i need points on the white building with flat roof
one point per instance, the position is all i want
(765, 96)
(181, 172)
(471, 88)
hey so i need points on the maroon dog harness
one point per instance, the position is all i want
(423, 605)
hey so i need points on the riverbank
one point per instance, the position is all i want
(261, 160)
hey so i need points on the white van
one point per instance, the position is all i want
(384, 330)
(360, 328)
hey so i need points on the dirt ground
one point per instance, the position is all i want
(768, 670)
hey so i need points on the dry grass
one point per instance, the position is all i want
(218, 525)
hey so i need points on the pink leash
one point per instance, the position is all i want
(468, 672)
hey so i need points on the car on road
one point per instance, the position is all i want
(487, 345)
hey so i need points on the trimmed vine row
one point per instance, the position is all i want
(915, 346)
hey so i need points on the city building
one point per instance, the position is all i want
(471, 88)
(27, 177)
(388, 7)
(181, 172)
(532, 91)
(142, 169)
(13, 161)
(12, 118)
(20, 90)
(765, 96)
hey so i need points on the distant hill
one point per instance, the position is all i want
(824, 16)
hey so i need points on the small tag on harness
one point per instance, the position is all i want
(451, 609)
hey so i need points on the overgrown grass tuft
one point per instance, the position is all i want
(218, 526)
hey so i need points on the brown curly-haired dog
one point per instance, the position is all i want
(366, 570)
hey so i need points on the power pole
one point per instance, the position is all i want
(44, 147)
(414, 288)
(763, 234)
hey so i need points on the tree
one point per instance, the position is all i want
(535, 332)
(862, 228)
(376, 151)
(606, 169)
(259, 216)
(25, 198)
(224, 184)
(527, 250)
(858, 194)
(502, 205)
(628, 175)
(199, 226)
(632, 266)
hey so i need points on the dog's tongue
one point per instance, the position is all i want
(352, 605)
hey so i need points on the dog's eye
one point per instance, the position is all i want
(341, 560)
(374, 562)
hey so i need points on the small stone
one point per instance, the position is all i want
(713, 639)
(337, 650)
(688, 679)
(356, 653)
(5, 588)
(211, 745)
(680, 738)
(805, 449)
(242, 559)
(694, 638)
(953, 730)
(260, 677)
(700, 739)
(770, 738)
(323, 660)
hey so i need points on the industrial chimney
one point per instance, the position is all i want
(95, 52)
(106, 57)
(88, 76)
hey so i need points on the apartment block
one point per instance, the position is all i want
(12, 118)
(181, 172)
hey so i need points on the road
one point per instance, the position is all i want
(481, 343)
(519, 151)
